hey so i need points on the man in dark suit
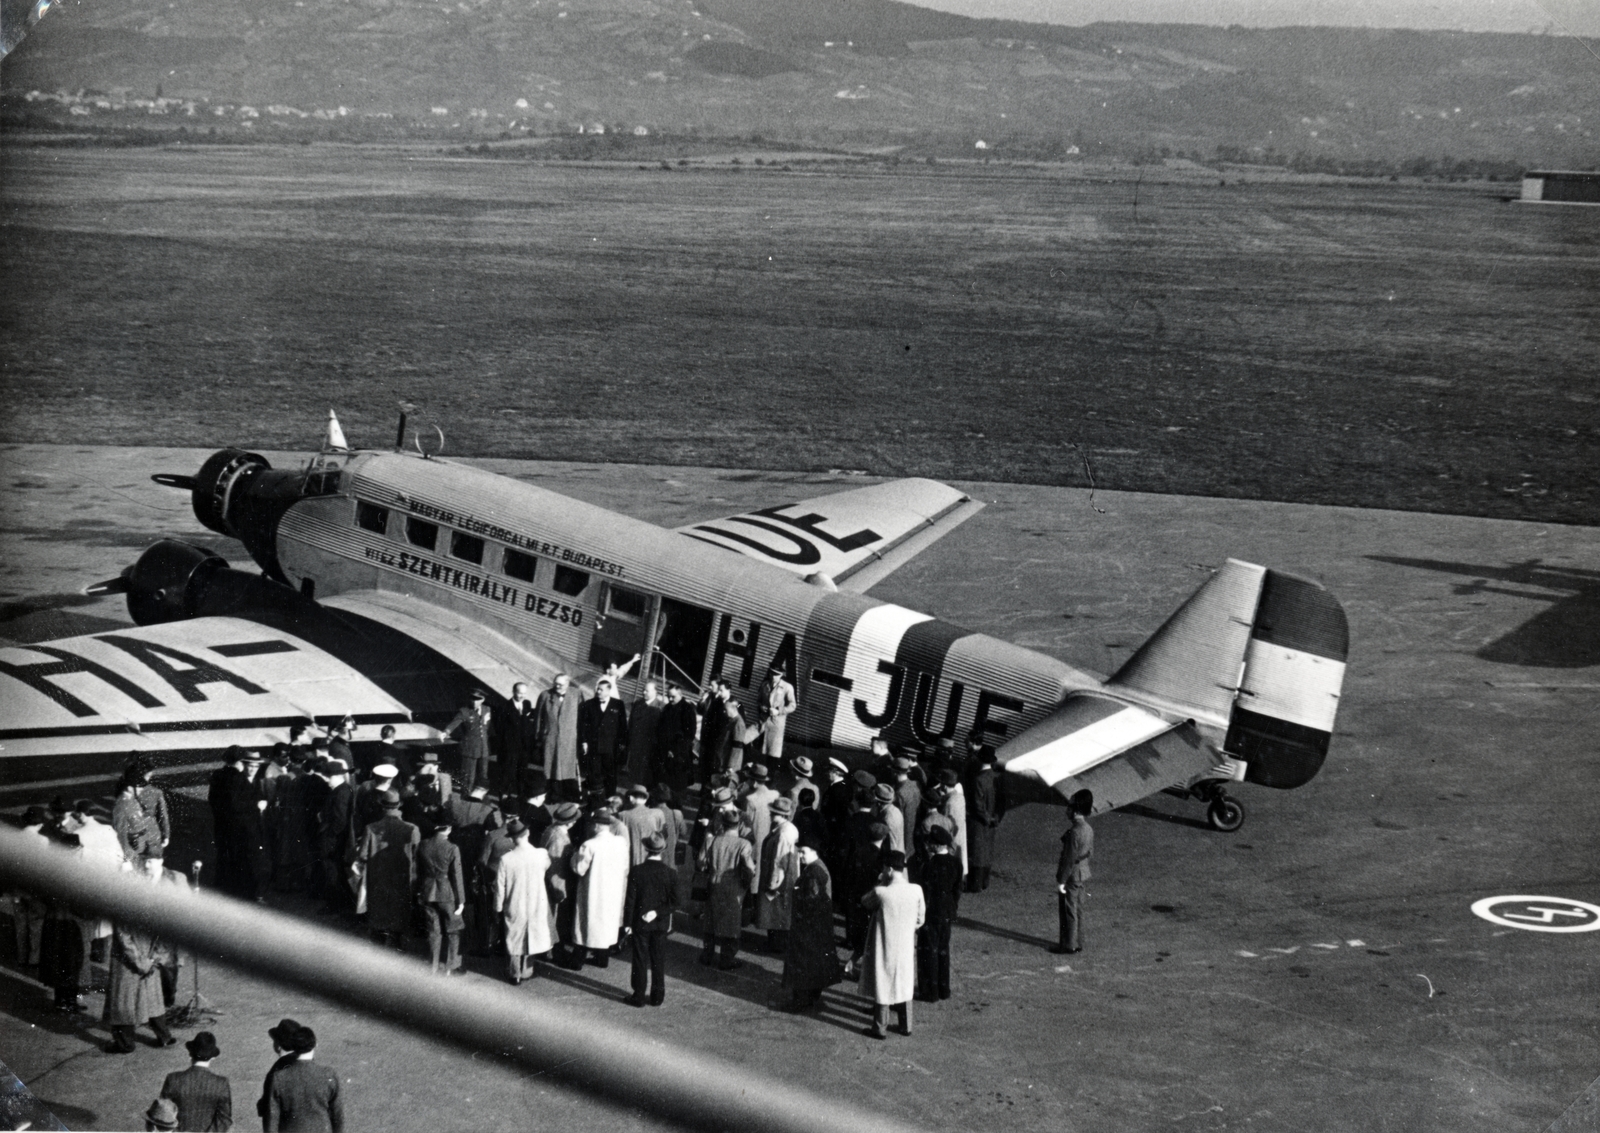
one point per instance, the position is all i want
(204, 1099)
(941, 893)
(514, 728)
(442, 893)
(602, 737)
(298, 1094)
(674, 751)
(647, 914)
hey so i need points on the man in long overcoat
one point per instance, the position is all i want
(555, 723)
(601, 867)
(779, 870)
(388, 853)
(889, 967)
(133, 995)
(641, 821)
(602, 737)
(777, 705)
(730, 864)
(521, 898)
(954, 807)
(812, 961)
(335, 840)
(644, 720)
(675, 733)
(513, 740)
(984, 810)
(557, 842)
(755, 804)
(715, 735)
(442, 893)
(941, 894)
(476, 722)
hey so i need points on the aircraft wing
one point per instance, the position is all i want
(203, 683)
(1119, 751)
(76, 706)
(854, 539)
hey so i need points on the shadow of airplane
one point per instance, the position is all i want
(1566, 635)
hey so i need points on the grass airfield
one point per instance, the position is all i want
(1320, 969)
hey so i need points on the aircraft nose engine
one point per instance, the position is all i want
(240, 494)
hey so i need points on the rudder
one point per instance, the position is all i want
(1259, 653)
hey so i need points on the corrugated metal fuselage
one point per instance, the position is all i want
(591, 586)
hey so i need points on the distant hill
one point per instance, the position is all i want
(832, 72)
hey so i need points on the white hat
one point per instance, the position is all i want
(385, 771)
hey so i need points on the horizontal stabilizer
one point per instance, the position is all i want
(855, 539)
(1125, 751)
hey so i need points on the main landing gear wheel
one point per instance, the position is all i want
(1225, 814)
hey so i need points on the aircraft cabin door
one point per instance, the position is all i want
(683, 641)
(622, 628)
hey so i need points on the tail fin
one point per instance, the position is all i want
(1258, 652)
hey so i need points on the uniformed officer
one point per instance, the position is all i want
(1077, 847)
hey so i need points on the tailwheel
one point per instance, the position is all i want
(1225, 814)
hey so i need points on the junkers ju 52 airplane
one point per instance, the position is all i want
(392, 582)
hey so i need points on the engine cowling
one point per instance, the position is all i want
(169, 580)
(240, 494)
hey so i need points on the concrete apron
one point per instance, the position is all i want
(1319, 969)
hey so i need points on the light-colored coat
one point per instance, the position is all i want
(520, 898)
(756, 807)
(889, 967)
(777, 703)
(134, 992)
(955, 806)
(780, 867)
(556, 723)
(641, 821)
(601, 866)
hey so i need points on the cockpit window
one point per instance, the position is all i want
(422, 533)
(323, 482)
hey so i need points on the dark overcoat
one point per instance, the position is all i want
(812, 963)
(389, 849)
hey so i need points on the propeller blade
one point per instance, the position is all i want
(118, 585)
(173, 480)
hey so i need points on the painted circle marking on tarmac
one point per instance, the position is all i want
(1539, 914)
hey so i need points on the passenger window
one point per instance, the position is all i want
(519, 565)
(421, 532)
(468, 547)
(630, 605)
(372, 517)
(571, 582)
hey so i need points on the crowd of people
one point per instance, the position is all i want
(577, 829)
